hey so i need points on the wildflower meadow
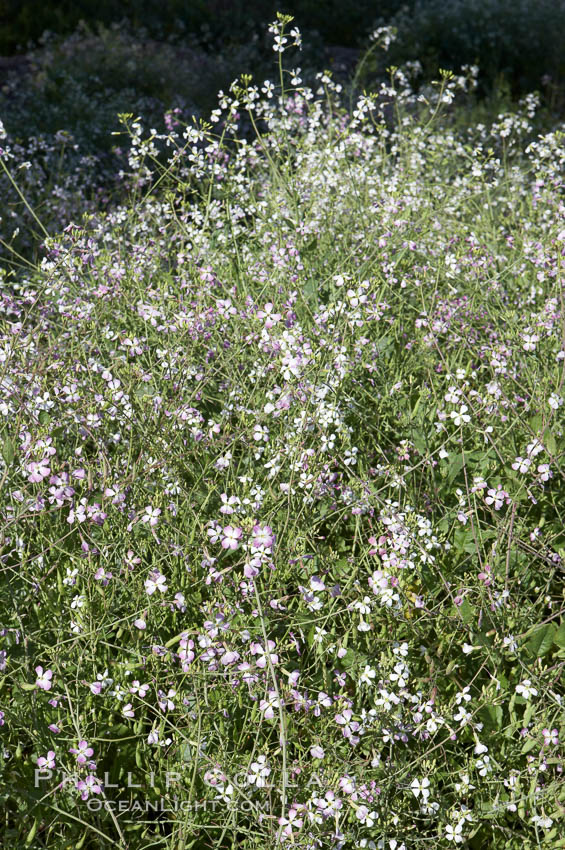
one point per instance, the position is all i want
(282, 532)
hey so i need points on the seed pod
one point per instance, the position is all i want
(31, 833)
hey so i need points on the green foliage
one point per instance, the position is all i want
(282, 444)
(514, 42)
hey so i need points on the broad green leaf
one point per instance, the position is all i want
(559, 636)
(529, 745)
(467, 612)
(491, 715)
(455, 467)
(541, 640)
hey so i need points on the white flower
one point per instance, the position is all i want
(453, 833)
(420, 786)
(156, 581)
(555, 401)
(461, 417)
(526, 690)
(483, 765)
(530, 342)
(367, 675)
(258, 772)
(463, 695)
(510, 643)
(366, 817)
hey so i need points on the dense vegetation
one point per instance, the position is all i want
(281, 435)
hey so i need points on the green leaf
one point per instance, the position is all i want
(550, 444)
(455, 467)
(541, 640)
(467, 612)
(529, 745)
(559, 636)
(8, 451)
(491, 715)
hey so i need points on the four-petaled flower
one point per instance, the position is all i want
(47, 761)
(258, 772)
(268, 705)
(44, 678)
(82, 752)
(231, 537)
(88, 785)
(156, 581)
(526, 689)
(460, 417)
(151, 515)
(420, 786)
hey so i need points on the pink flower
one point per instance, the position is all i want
(47, 761)
(38, 471)
(43, 679)
(231, 537)
(485, 576)
(290, 823)
(550, 737)
(263, 537)
(82, 752)
(87, 786)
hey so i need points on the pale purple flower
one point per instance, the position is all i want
(139, 689)
(231, 537)
(366, 817)
(263, 536)
(156, 581)
(88, 785)
(47, 761)
(44, 678)
(257, 649)
(83, 752)
(131, 560)
(151, 515)
(103, 576)
(550, 737)
(165, 700)
(38, 470)
(268, 706)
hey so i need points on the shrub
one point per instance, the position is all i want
(521, 42)
(282, 449)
